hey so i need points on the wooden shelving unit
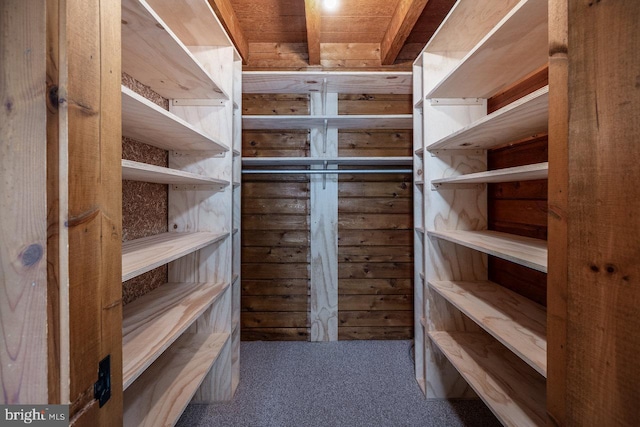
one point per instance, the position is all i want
(505, 383)
(136, 171)
(479, 50)
(146, 122)
(163, 391)
(518, 173)
(153, 322)
(142, 255)
(396, 121)
(182, 52)
(525, 251)
(517, 322)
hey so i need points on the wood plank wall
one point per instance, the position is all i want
(375, 230)
(275, 229)
(519, 207)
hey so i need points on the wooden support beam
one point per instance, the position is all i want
(312, 13)
(404, 18)
(231, 23)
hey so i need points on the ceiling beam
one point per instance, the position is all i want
(312, 14)
(402, 22)
(231, 24)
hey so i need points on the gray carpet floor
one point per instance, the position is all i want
(344, 383)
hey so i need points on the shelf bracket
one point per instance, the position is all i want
(455, 186)
(207, 154)
(324, 176)
(199, 102)
(199, 187)
(324, 96)
(459, 152)
(456, 101)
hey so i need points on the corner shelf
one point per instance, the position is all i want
(154, 321)
(517, 322)
(136, 171)
(525, 251)
(389, 121)
(510, 51)
(153, 54)
(162, 392)
(511, 389)
(146, 122)
(523, 118)
(142, 255)
(518, 173)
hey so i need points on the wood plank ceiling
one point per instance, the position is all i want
(304, 34)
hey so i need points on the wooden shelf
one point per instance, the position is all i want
(515, 321)
(307, 161)
(419, 182)
(336, 82)
(154, 321)
(518, 173)
(154, 56)
(525, 251)
(511, 389)
(514, 48)
(136, 171)
(418, 105)
(162, 392)
(142, 255)
(236, 153)
(235, 278)
(420, 230)
(146, 122)
(390, 121)
(420, 152)
(523, 118)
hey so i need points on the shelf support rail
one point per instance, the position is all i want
(324, 171)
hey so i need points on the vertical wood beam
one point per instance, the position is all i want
(312, 14)
(231, 24)
(557, 218)
(23, 229)
(603, 286)
(324, 229)
(95, 205)
(402, 22)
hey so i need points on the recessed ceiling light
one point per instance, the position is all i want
(330, 4)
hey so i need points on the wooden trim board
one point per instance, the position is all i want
(142, 255)
(162, 392)
(305, 161)
(154, 55)
(389, 121)
(336, 82)
(517, 173)
(136, 171)
(510, 388)
(154, 321)
(515, 321)
(515, 47)
(526, 117)
(146, 122)
(525, 251)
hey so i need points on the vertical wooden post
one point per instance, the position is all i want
(23, 229)
(603, 283)
(92, 46)
(324, 229)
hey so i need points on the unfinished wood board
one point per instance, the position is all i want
(144, 121)
(336, 82)
(525, 251)
(303, 161)
(162, 392)
(510, 51)
(515, 321)
(518, 173)
(511, 389)
(142, 255)
(136, 171)
(526, 117)
(391, 121)
(153, 55)
(153, 322)
(23, 203)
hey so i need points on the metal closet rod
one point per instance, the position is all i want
(324, 171)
